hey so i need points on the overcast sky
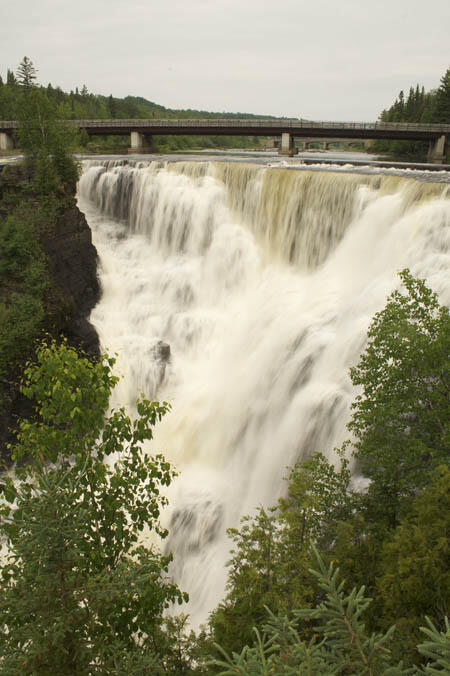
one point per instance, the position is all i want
(321, 59)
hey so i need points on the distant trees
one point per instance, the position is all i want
(442, 105)
(82, 104)
(418, 106)
(47, 142)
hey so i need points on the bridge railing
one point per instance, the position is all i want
(276, 124)
(256, 123)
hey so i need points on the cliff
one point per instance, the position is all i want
(48, 283)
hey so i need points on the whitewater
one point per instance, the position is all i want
(242, 294)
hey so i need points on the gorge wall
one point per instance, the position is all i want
(62, 245)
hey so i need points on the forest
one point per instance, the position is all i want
(329, 580)
(418, 106)
(80, 104)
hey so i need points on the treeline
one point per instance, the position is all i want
(418, 106)
(80, 104)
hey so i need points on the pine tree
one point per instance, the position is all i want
(26, 73)
(442, 108)
(340, 644)
(10, 78)
(112, 106)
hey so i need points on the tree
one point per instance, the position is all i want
(10, 78)
(401, 421)
(269, 566)
(112, 106)
(340, 645)
(47, 143)
(80, 592)
(26, 73)
(442, 106)
(419, 550)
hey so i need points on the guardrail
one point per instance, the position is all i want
(247, 123)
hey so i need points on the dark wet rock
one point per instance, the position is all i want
(161, 351)
(72, 260)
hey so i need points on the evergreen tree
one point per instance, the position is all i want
(10, 78)
(26, 73)
(340, 645)
(442, 105)
(419, 551)
(112, 107)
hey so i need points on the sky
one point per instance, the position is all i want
(342, 60)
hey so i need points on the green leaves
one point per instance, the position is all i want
(401, 421)
(91, 596)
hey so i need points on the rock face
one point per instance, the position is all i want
(72, 260)
(74, 287)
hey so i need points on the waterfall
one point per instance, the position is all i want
(242, 294)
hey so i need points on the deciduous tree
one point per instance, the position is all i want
(401, 421)
(81, 593)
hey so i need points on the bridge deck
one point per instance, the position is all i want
(256, 127)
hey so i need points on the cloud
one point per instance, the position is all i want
(325, 59)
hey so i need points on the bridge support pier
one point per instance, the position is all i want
(6, 141)
(437, 153)
(287, 146)
(140, 143)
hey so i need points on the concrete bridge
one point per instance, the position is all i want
(141, 131)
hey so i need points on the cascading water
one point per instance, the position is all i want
(242, 295)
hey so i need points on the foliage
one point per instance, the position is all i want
(344, 647)
(437, 648)
(388, 538)
(442, 104)
(269, 566)
(47, 143)
(22, 269)
(418, 106)
(80, 592)
(420, 550)
(81, 104)
(318, 497)
(401, 421)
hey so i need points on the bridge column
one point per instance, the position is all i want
(438, 150)
(6, 141)
(324, 145)
(287, 146)
(140, 143)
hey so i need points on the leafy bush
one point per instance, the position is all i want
(80, 592)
